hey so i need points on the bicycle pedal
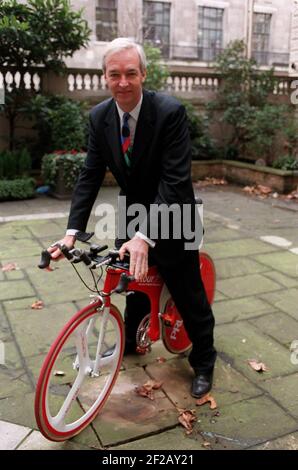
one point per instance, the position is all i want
(142, 350)
(168, 319)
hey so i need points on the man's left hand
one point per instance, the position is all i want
(138, 250)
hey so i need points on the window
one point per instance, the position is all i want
(156, 25)
(260, 38)
(106, 20)
(210, 33)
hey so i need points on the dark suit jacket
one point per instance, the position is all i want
(161, 159)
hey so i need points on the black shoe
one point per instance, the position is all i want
(201, 384)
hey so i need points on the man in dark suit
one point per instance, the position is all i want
(143, 138)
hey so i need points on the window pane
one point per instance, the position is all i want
(156, 23)
(106, 20)
(210, 32)
(261, 37)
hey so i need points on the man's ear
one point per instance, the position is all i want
(144, 76)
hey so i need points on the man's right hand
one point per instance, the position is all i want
(56, 254)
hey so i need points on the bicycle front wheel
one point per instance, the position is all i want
(76, 377)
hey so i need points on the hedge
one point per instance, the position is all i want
(22, 188)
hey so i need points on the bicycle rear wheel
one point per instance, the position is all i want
(174, 335)
(75, 380)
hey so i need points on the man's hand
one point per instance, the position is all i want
(138, 250)
(56, 254)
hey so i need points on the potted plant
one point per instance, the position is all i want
(60, 171)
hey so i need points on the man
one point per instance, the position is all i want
(143, 138)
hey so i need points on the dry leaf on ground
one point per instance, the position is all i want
(187, 418)
(146, 390)
(9, 267)
(257, 366)
(59, 373)
(211, 181)
(160, 359)
(205, 399)
(37, 305)
(259, 190)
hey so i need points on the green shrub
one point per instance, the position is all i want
(286, 162)
(70, 163)
(22, 188)
(61, 123)
(14, 164)
(201, 143)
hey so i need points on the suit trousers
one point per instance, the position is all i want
(184, 282)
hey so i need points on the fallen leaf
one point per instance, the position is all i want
(257, 366)
(37, 305)
(160, 359)
(59, 373)
(205, 399)
(264, 189)
(146, 390)
(187, 418)
(9, 267)
(206, 444)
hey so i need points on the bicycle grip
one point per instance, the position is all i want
(45, 259)
(123, 283)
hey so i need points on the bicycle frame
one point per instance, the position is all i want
(153, 286)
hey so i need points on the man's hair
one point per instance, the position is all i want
(120, 44)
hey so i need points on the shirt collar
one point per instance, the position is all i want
(133, 113)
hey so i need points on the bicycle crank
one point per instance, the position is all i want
(142, 339)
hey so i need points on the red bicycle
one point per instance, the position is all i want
(76, 378)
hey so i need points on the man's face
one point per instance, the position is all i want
(124, 78)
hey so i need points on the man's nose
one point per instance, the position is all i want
(123, 81)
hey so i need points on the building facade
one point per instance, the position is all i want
(190, 33)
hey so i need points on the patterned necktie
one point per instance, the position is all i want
(125, 139)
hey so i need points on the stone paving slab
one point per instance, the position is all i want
(10, 231)
(36, 441)
(229, 386)
(284, 391)
(175, 439)
(11, 435)
(282, 279)
(15, 290)
(246, 423)
(226, 268)
(128, 415)
(245, 247)
(19, 249)
(289, 442)
(240, 309)
(286, 300)
(249, 285)
(283, 261)
(37, 329)
(19, 409)
(279, 326)
(240, 342)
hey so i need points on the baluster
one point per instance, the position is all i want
(71, 82)
(36, 82)
(79, 82)
(27, 81)
(95, 82)
(87, 82)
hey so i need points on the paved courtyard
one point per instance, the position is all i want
(254, 244)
